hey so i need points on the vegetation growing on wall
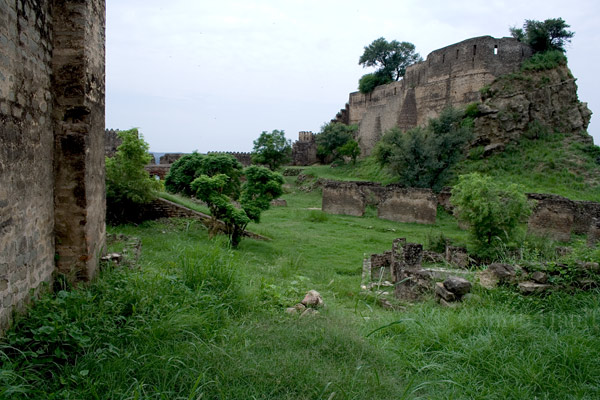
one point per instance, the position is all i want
(542, 36)
(424, 157)
(128, 184)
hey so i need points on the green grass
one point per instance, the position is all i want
(196, 320)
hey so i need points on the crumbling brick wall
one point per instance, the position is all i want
(304, 150)
(52, 114)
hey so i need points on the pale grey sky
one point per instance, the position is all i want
(212, 75)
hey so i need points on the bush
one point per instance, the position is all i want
(493, 211)
(128, 184)
(544, 61)
(182, 173)
(332, 138)
(423, 157)
(369, 82)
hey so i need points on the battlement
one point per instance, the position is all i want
(244, 158)
(306, 136)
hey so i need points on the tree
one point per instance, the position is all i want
(182, 173)
(128, 184)
(391, 58)
(222, 187)
(493, 211)
(332, 137)
(368, 82)
(551, 34)
(350, 149)
(424, 157)
(272, 149)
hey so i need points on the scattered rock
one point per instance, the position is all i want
(493, 148)
(457, 256)
(278, 203)
(529, 287)
(589, 266)
(308, 312)
(488, 279)
(115, 257)
(539, 277)
(313, 299)
(505, 273)
(458, 286)
(444, 293)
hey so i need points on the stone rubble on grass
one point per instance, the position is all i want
(530, 287)
(115, 257)
(451, 290)
(308, 306)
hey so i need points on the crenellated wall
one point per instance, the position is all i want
(452, 75)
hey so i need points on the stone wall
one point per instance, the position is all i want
(452, 76)
(244, 158)
(393, 202)
(304, 150)
(160, 170)
(52, 114)
(558, 217)
(170, 158)
(111, 142)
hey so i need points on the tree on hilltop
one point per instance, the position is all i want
(391, 58)
(551, 34)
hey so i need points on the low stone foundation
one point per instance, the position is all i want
(393, 202)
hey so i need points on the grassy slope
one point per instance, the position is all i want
(200, 321)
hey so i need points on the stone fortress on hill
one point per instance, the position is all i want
(450, 76)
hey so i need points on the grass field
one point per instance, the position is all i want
(196, 320)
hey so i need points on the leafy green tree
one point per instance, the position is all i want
(220, 189)
(391, 58)
(182, 173)
(272, 149)
(551, 34)
(369, 82)
(350, 149)
(128, 184)
(493, 211)
(332, 138)
(424, 157)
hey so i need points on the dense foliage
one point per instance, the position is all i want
(493, 211)
(272, 149)
(218, 185)
(128, 184)
(391, 58)
(182, 173)
(332, 138)
(551, 34)
(368, 82)
(424, 157)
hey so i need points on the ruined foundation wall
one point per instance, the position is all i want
(452, 75)
(26, 151)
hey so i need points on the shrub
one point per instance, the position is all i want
(182, 173)
(369, 82)
(128, 184)
(332, 138)
(423, 157)
(544, 61)
(493, 211)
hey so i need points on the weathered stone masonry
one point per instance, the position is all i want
(451, 75)
(51, 114)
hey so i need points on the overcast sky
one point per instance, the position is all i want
(212, 75)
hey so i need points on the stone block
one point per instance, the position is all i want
(441, 291)
(457, 285)
(408, 205)
(343, 198)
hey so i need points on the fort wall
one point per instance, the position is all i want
(52, 114)
(451, 76)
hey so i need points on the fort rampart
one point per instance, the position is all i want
(451, 76)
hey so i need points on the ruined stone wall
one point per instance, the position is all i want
(26, 151)
(452, 75)
(393, 202)
(111, 142)
(170, 158)
(557, 217)
(304, 150)
(160, 170)
(244, 158)
(52, 115)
